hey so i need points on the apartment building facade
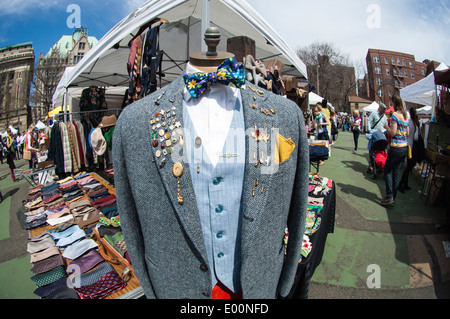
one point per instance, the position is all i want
(390, 71)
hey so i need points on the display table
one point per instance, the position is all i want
(307, 266)
(124, 269)
(40, 176)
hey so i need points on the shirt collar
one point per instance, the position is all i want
(232, 92)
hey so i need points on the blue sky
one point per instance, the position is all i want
(353, 26)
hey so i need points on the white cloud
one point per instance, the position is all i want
(24, 7)
(415, 27)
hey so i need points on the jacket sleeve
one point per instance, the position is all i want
(129, 217)
(297, 213)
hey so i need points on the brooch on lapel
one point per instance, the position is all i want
(166, 132)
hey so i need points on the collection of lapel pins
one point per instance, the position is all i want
(260, 135)
(166, 132)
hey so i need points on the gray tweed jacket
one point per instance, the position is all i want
(164, 239)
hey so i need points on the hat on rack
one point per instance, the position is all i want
(98, 141)
(108, 121)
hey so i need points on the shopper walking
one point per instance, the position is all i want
(10, 153)
(356, 128)
(413, 140)
(399, 131)
(321, 122)
(29, 149)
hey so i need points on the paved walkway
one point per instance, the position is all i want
(402, 241)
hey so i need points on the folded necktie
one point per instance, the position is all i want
(75, 236)
(57, 235)
(79, 248)
(49, 252)
(45, 265)
(48, 289)
(229, 72)
(36, 246)
(50, 276)
(99, 283)
(85, 263)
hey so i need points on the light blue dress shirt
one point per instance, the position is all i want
(218, 191)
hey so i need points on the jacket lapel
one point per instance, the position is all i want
(187, 213)
(257, 180)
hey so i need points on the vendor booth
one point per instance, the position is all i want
(433, 93)
(76, 245)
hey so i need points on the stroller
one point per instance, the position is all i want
(377, 153)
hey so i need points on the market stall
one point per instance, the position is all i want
(79, 140)
(75, 242)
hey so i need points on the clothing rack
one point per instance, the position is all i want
(65, 115)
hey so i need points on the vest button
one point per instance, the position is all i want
(219, 235)
(219, 209)
(220, 255)
(204, 267)
(217, 180)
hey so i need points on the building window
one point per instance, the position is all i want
(393, 61)
(379, 81)
(388, 71)
(423, 72)
(380, 93)
(377, 70)
(406, 74)
(404, 63)
(386, 60)
(398, 61)
(412, 75)
(376, 59)
(411, 65)
(81, 45)
(395, 72)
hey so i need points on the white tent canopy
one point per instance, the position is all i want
(372, 107)
(106, 63)
(424, 91)
(426, 110)
(39, 125)
(315, 98)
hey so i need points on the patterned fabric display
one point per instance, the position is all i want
(229, 72)
(107, 285)
(47, 264)
(49, 277)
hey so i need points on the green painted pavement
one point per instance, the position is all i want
(350, 250)
(15, 280)
(5, 214)
(349, 253)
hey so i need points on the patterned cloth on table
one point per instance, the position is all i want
(99, 283)
(49, 277)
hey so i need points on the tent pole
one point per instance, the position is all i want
(205, 22)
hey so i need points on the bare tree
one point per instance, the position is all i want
(330, 70)
(46, 78)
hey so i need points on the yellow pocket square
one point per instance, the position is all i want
(283, 148)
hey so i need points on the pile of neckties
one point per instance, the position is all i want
(48, 267)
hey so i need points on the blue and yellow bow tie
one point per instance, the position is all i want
(228, 72)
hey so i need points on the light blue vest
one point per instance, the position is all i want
(218, 192)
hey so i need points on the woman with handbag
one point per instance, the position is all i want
(10, 153)
(417, 149)
(399, 131)
(356, 128)
(28, 148)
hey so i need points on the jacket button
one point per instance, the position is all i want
(204, 267)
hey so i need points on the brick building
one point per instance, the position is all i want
(390, 71)
(16, 75)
